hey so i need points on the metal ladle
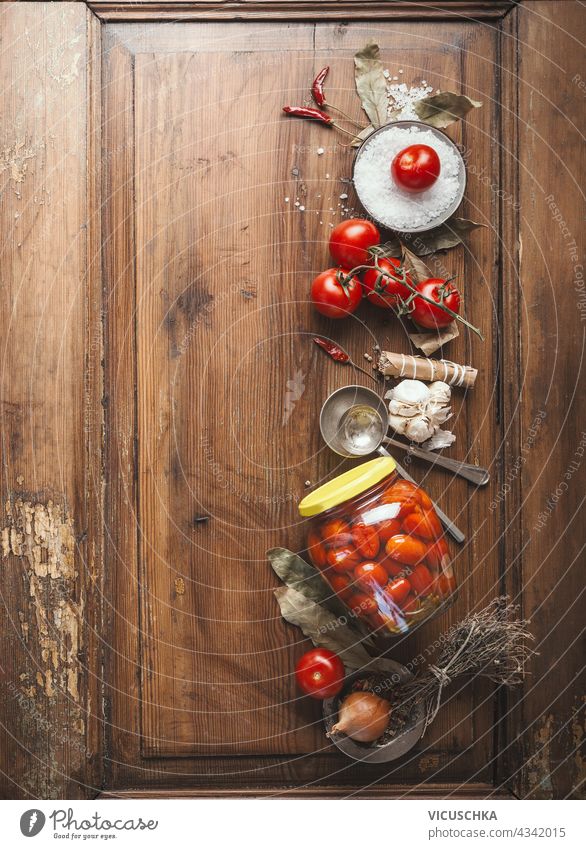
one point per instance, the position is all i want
(352, 423)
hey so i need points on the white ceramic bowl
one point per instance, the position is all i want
(447, 213)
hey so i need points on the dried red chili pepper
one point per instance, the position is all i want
(339, 355)
(336, 353)
(308, 112)
(317, 88)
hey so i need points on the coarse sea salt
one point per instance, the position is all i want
(389, 204)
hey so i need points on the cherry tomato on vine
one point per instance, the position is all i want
(350, 241)
(320, 673)
(386, 292)
(334, 294)
(416, 168)
(429, 315)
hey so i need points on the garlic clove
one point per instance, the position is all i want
(398, 423)
(440, 439)
(440, 392)
(438, 413)
(411, 392)
(419, 429)
(398, 408)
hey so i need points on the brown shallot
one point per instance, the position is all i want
(363, 717)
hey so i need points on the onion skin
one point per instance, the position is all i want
(363, 717)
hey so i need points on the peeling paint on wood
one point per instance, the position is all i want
(42, 536)
(13, 159)
(578, 734)
(538, 766)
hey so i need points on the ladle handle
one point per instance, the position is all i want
(474, 474)
(453, 531)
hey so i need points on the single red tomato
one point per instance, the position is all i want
(406, 549)
(386, 292)
(416, 168)
(370, 572)
(366, 539)
(421, 580)
(398, 590)
(334, 294)
(320, 673)
(429, 315)
(362, 605)
(350, 241)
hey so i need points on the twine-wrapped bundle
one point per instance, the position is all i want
(423, 368)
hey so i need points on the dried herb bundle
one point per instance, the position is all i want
(492, 644)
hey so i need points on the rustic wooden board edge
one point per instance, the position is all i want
(395, 791)
(188, 10)
(51, 404)
(507, 745)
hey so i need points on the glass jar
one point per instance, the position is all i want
(377, 540)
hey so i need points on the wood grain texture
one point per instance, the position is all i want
(210, 184)
(50, 402)
(551, 409)
(187, 10)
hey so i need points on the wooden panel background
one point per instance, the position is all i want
(84, 700)
(222, 272)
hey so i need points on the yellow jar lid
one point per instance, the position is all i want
(346, 486)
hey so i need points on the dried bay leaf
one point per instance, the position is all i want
(300, 576)
(417, 269)
(371, 84)
(324, 628)
(392, 247)
(442, 109)
(448, 235)
(430, 342)
(363, 134)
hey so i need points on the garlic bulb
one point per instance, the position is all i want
(419, 429)
(363, 716)
(440, 392)
(417, 411)
(411, 393)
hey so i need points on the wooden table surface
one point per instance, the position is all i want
(160, 390)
